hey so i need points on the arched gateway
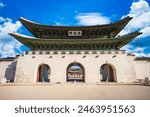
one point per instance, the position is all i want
(75, 72)
(43, 73)
(108, 73)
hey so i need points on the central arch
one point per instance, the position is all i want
(43, 73)
(108, 73)
(75, 72)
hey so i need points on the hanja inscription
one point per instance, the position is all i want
(74, 33)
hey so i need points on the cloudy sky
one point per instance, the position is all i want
(74, 12)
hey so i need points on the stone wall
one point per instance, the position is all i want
(7, 71)
(142, 68)
(58, 62)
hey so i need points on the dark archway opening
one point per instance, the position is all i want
(43, 73)
(108, 73)
(75, 73)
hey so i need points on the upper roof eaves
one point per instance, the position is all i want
(27, 22)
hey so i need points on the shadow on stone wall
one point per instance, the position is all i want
(10, 72)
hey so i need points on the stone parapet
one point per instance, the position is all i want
(59, 52)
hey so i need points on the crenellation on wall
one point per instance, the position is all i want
(67, 52)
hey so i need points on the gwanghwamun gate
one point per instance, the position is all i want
(62, 54)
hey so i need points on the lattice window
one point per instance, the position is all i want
(33, 52)
(47, 52)
(86, 52)
(55, 52)
(40, 52)
(94, 52)
(116, 52)
(102, 52)
(63, 52)
(78, 52)
(70, 52)
(26, 52)
(109, 52)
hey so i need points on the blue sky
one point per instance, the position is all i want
(74, 12)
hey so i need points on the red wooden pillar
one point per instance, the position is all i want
(111, 74)
(38, 75)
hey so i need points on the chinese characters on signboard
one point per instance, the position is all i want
(74, 33)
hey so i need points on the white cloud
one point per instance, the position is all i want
(137, 51)
(146, 32)
(75, 11)
(138, 8)
(1, 5)
(140, 11)
(141, 54)
(58, 23)
(8, 45)
(92, 19)
(2, 19)
(128, 48)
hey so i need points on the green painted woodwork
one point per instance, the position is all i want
(75, 44)
(98, 37)
(61, 32)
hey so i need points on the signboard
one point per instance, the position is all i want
(74, 33)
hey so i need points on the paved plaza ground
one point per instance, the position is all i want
(74, 91)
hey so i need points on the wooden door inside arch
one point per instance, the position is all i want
(43, 73)
(108, 73)
(111, 72)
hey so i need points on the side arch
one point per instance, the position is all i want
(43, 73)
(75, 72)
(108, 73)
